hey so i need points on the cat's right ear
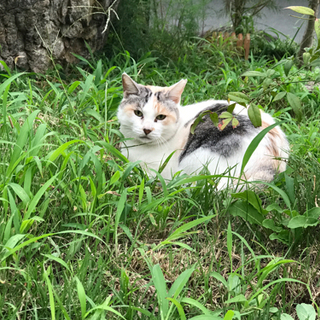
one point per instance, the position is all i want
(129, 86)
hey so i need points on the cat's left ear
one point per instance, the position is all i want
(175, 91)
(129, 86)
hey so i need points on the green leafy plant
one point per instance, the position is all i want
(304, 312)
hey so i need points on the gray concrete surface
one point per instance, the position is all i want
(281, 20)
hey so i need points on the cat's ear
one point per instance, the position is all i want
(129, 86)
(176, 90)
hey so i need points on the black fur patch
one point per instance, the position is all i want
(225, 142)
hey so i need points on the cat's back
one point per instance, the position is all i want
(221, 147)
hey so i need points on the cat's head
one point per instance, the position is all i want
(149, 114)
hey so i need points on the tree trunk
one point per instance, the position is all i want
(308, 34)
(32, 32)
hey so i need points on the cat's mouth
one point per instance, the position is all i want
(145, 138)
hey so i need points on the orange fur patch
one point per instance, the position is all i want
(129, 109)
(161, 109)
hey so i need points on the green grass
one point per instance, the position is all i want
(85, 234)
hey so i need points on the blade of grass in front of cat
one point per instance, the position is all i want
(254, 144)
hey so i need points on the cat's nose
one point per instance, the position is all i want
(147, 131)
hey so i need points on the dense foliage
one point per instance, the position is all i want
(85, 234)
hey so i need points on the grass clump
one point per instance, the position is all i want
(85, 234)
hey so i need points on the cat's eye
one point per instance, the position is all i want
(138, 113)
(161, 117)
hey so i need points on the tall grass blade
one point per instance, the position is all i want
(254, 144)
(161, 288)
(82, 297)
(51, 298)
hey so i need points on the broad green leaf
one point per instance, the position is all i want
(280, 95)
(307, 58)
(270, 72)
(231, 107)
(302, 222)
(269, 224)
(306, 312)
(214, 118)
(301, 9)
(246, 211)
(252, 198)
(295, 104)
(234, 283)
(226, 115)
(282, 236)
(238, 97)
(287, 67)
(313, 213)
(274, 206)
(254, 115)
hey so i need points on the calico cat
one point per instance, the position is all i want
(155, 125)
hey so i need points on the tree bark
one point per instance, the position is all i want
(308, 34)
(32, 32)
